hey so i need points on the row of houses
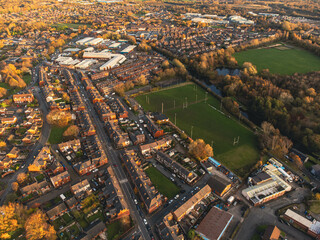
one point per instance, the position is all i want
(175, 167)
(160, 144)
(151, 198)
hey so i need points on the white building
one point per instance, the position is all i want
(128, 49)
(113, 62)
(84, 40)
(86, 63)
(99, 55)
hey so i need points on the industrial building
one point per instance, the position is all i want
(98, 55)
(118, 59)
(267, 188)
(84, 40)
(86, 63)
(214, 224)
(128, 49)
(311, 227)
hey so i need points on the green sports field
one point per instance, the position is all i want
(286, 62)
(208, 124)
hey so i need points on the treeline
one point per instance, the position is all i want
(290, 103)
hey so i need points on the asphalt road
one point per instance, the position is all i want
(113, 159)
(45, 133)
(258, 216)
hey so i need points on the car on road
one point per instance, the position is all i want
(170, 201)
(177, 196)
(135, 201)
(145, 221)
(22, 166)
(95, 170)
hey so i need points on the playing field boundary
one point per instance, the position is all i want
(167, 88)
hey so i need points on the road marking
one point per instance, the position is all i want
(123, 180)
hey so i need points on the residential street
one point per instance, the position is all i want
(45, 133)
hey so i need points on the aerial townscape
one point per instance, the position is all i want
(159, 119)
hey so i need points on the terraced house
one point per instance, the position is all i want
(149, 195)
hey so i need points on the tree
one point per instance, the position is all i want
(37, 227)
(249, 68)
(15, 186)
(21, 177)
(142, 80)
(3, 144)
(297, 160)
(71, 132)
(65, 97)
(200, 150)
(3, 92)
(59, 118)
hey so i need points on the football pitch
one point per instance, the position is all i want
(186, 105)
(281, 60)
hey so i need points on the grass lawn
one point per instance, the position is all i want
(67, 218)
(74, 230)
(95, 216)
(209, 124)
(40, 177)
(27, 78)
(56, 135)
(114, 230)
(162, 183)
(62, 26)
(315, 207)
(57, 223)
(284, 62)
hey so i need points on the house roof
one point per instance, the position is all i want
(214, 223)
(195, 199)
(271, 233)
(94, 231)
(218, 184)
(57, 210)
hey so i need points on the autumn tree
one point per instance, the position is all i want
(12, 217)
(142, 80)
(21, 177)
(37, 227)
(3, 92)
(249, 68)
(200, 150)
(65, 97)
(15, 186)
(271, 139)
(3, 144)
(71, 132)
(296, 160)
(59, 118)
